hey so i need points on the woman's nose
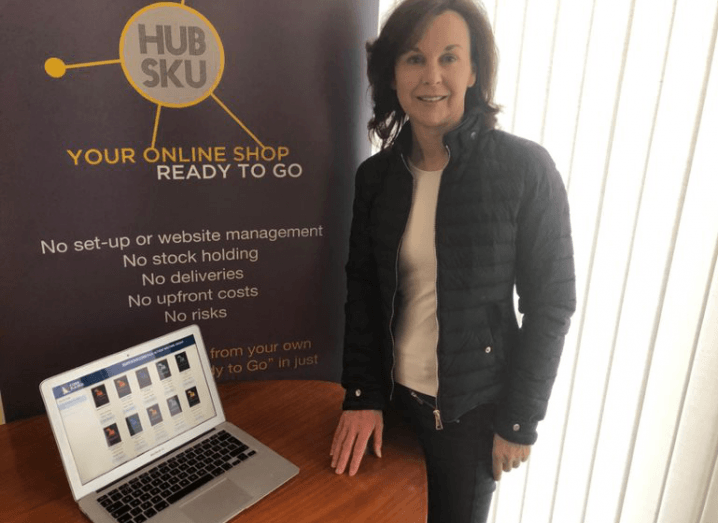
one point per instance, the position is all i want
(432, 74)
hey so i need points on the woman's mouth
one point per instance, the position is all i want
(431, 98)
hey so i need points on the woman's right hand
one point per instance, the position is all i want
(351, 438)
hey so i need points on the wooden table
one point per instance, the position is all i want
(295, 418)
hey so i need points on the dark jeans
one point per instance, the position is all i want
(458, 458)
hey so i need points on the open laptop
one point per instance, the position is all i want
(143, 437)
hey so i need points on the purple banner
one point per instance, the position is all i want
(175, 163)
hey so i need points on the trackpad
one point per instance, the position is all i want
(217, 504)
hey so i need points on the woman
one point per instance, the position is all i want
(449, 218)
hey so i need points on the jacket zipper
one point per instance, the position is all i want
(437, 412)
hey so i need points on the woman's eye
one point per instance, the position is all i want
(414, 59)
(448, 58)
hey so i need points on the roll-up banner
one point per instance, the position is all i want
(173, 163)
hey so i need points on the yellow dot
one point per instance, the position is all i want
(55, 67)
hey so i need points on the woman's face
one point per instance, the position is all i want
(431, 79)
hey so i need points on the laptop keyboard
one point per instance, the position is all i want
(142, 497)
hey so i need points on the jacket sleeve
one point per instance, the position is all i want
(362, 366)
(545, 284)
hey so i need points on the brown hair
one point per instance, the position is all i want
(400, 32)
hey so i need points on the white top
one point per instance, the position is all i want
(417, 329)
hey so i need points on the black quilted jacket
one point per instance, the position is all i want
(502, 222)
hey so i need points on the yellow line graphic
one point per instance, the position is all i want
(237, 120)
(157, 124)
(56, 68)
(93, 64)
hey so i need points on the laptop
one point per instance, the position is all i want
(143, 437)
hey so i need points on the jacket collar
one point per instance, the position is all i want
(457, 140)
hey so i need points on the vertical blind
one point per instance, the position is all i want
(624, 95)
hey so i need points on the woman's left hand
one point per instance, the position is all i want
(507, 455)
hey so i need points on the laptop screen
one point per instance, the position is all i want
(119, 412)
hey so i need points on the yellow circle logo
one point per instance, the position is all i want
(171, 54)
